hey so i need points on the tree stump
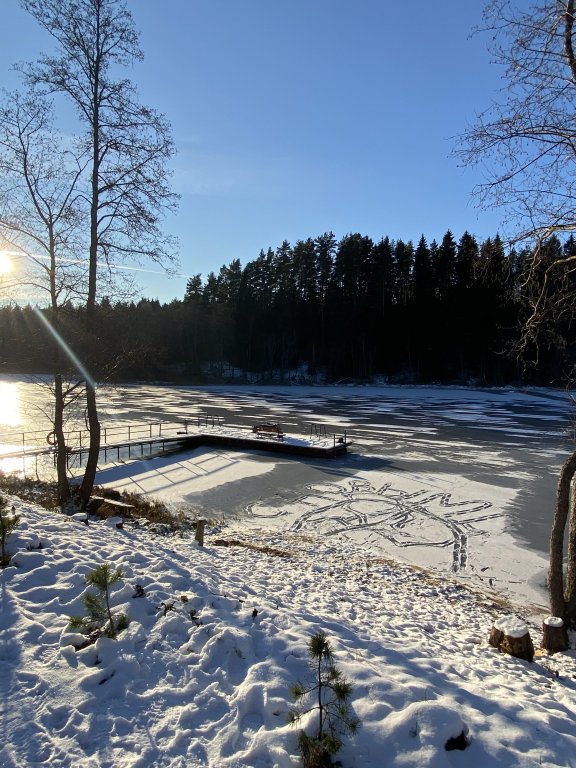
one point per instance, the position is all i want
(200, 524)
(510, 635)
(554, 635)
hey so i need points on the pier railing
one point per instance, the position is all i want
(132, 440)
(42, 441)
(121, 440)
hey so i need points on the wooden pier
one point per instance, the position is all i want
(324, 449)
(134, 441)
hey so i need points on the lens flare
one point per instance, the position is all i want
(74, 359)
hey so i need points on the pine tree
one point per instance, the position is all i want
(97, 604)
(331, 693)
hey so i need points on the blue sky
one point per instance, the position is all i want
(296, 117)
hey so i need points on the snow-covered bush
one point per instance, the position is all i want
(329, 696)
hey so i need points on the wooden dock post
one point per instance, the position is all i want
(200, 524)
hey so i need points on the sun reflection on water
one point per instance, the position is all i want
(10, 415)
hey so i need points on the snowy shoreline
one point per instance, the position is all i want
(457, 528)
(452, 484)
(455, 478)
(198, 679)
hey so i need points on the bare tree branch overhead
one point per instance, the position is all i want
(525, 145)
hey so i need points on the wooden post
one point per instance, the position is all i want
(510, 635)
(200, 524)
(554, 635)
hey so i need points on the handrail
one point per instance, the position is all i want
(114, 435)
(80, 437)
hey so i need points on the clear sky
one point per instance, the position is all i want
(296, 117)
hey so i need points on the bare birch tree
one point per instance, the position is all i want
(40, 214)
(127, 146)
(525, 144)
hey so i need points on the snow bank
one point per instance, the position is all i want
(200, 679)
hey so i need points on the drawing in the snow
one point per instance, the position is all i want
(415, 519)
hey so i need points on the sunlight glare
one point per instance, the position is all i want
(6, 265)
(9, 405)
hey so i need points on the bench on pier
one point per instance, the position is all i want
(261, 430)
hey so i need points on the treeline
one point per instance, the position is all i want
(354, 308)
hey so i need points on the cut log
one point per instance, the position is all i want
(496, 637)
(510, 635)
(554, 635)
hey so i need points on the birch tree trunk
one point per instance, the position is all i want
(558, 590)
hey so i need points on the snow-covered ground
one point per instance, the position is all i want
(452, 524)
(457, 483)
(198, 680)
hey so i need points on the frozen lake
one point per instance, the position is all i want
(442, 476)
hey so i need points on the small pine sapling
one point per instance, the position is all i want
(329, 695)
(100, 619)
(9, 521)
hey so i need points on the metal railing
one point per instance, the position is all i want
(126, 440)
(41, 441)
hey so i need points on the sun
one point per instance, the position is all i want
(6, 265)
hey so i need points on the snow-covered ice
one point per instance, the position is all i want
(453, 524)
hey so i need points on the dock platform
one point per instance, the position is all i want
(127, 442)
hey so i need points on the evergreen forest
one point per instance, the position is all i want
(354, 309)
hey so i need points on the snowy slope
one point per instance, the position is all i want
(196, 680)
